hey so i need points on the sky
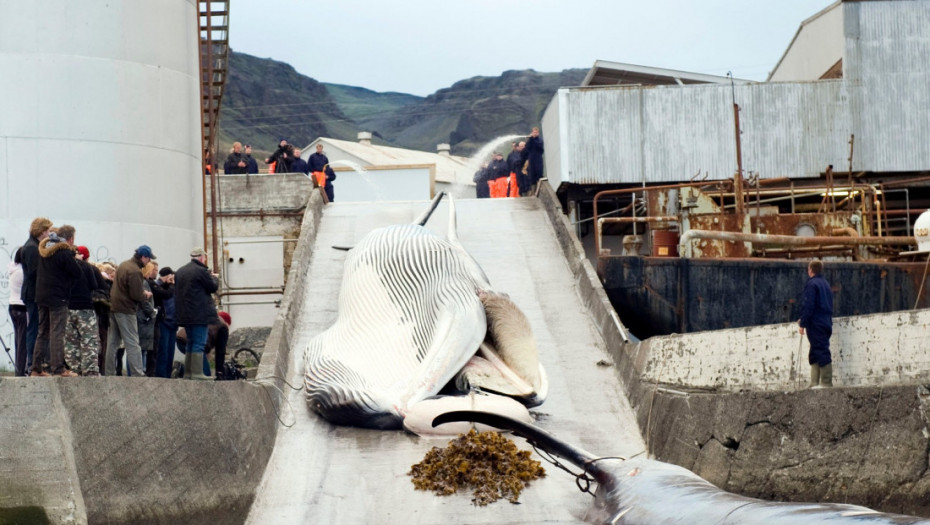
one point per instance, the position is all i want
(421, 46)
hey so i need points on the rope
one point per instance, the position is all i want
(582, 480)
(265, 383)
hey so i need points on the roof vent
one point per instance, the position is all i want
(364, 137)
(443, 149)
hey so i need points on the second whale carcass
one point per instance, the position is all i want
(418, 316)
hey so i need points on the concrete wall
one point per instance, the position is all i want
(121, 450)
(266, 210)
(865, 445)
(868, 350)
(137, 451)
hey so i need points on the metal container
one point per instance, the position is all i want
(665, 243)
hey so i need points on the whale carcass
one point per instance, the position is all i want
(416, 313)
(642, 491)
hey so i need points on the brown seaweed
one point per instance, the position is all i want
(486, 462)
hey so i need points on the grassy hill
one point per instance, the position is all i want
(266, 100)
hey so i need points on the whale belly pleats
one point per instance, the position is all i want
(409, 318)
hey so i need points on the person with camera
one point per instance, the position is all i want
(281, 158)
(195, 309)
(125, 295)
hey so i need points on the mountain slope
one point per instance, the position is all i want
(266, 100)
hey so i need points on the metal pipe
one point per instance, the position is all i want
(259, 214)
(226, 243)
(250, 292)
(786, 240)
(605, 193)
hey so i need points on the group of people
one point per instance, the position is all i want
(516, 176)
(285, 159)
(72, 317)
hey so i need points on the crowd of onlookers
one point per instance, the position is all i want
(73, 317)
(517, 175)
(285, 159)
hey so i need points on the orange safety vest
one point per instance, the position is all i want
(320, 178)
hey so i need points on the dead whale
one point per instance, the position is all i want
(417, 313)
(643, 491)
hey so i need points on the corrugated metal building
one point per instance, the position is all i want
(632, 134)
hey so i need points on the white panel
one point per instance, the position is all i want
(252, 264)
(383, 185)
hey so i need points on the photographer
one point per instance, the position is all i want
(281, 158)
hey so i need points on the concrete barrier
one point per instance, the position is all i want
(121, 450)
(727, 404)
(868, 350)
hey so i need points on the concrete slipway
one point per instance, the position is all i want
(319, 473)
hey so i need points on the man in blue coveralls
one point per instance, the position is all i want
(817, 320)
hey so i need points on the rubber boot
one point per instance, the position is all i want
(187, 365)
(815, 376)
(826, 375)
(197, 366)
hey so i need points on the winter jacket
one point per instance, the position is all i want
(30, 257)
(126, 292)
(163, 294)
(498, 169)
(86, 287)
(299, 165)
(317, 161)
(534, 155)
(251, 164)
(817, 303)
(193, 289)
(231, 166)
(282, 165)
(145, 319)
(515, 161)
(15, 271)
(57, 271)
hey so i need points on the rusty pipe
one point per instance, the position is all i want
(606, 193)
(849, 232)
(785, 240)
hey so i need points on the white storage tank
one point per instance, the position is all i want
(922, 231)
(100, 125)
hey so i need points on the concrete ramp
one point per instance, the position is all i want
(321, 473)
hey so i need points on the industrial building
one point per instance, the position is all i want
(850, 91)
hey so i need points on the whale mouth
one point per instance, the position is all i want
(488, 372)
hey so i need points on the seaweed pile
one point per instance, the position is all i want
(486, 462)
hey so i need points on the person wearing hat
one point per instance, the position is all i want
(195, 309)
(82, 335)
(166, 324)
(281, 158)
(125, 296)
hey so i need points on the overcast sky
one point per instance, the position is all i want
(420, 46)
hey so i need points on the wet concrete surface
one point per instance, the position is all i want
(320, 473)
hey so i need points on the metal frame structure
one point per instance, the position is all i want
(213, 27)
